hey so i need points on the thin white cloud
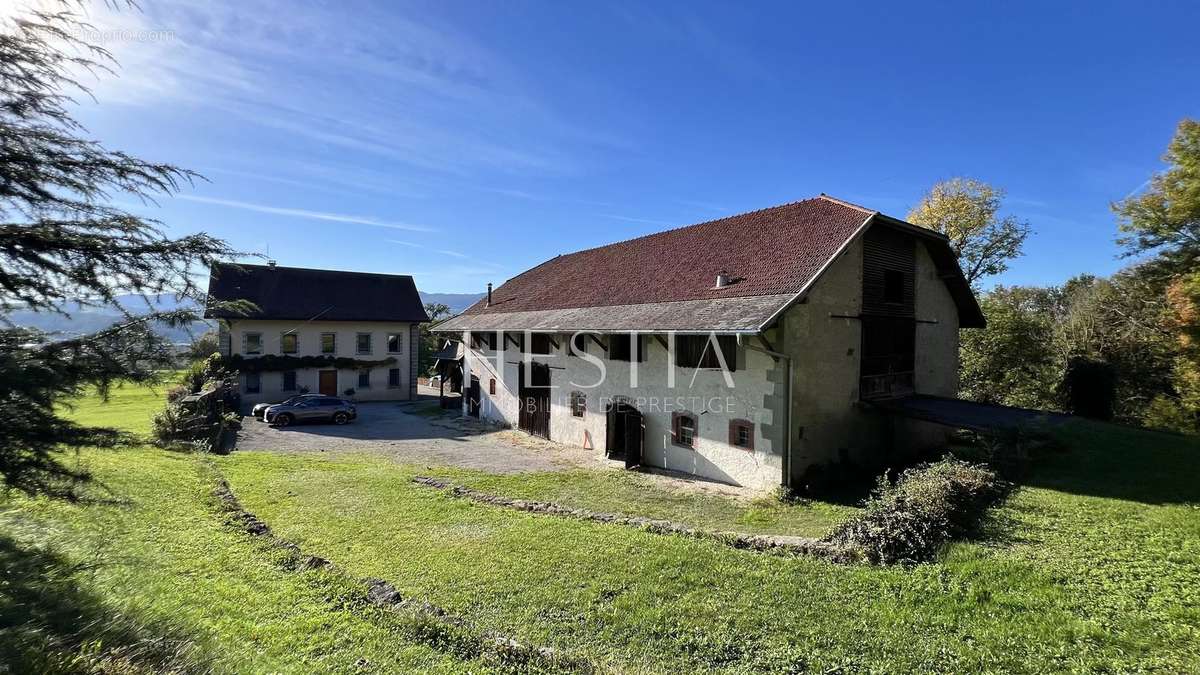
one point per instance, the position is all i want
(454, 254)
(628, 219)
(305, 213)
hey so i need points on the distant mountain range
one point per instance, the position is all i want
(83, 320)
(457, 302)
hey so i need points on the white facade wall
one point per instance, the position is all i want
(309, 344)
(757, 395)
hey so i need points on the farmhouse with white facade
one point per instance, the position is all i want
(319, 331)
(747, 349)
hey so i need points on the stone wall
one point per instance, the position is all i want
(757, 395)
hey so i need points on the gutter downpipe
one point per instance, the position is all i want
(787, 413)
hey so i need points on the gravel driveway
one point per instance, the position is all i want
(415, 433)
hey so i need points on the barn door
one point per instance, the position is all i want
(534, 414)
(614, 441)
(473, 398)
(540, 399)
(634, 435)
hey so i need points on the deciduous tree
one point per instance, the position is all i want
(968, 212)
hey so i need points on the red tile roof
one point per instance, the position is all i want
(767, 252)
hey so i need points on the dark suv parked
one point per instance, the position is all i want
(311, 408)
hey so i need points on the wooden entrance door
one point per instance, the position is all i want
(327, 383)
(625, 434)
(534, 415)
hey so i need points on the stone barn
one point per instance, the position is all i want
(745, 350)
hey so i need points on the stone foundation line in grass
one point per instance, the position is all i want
(761, 543)
(493, 647)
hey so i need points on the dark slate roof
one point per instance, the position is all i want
(777, 252)
(299, 294)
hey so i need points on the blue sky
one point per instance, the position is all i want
(465, 142)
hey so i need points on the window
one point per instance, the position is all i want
(289, 380)
(395, 343)
(539, 343)
(362, 343)
(579, 343)
(492, 386)
(518, 340)
(621, 346)
(328, 343)
(289, 343)
(393, 377)
(364, 378)
(683, 429)
(696, 351)
(578, 404)
(483, 341)
(893, 286)
(741, 434)
(253, 383)
(252, 343)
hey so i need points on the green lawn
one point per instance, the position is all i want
(636, 494)
(1093, 566)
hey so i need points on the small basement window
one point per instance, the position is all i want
(683, 429)
(741, 434)
(893, 286)
(578, 403)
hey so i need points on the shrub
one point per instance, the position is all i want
(177, 392)
(204, 371)
(909, 520)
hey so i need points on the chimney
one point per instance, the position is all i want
(489, 302)
(722, 280)
(271, 264)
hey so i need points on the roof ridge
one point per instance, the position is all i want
(704, 222)
(310, 269)
(845, 203)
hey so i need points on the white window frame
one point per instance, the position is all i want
(399, 343)
(283, 336)
(322, 344)
(246, 343)
(358, 346)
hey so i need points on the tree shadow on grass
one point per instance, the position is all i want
(50, 623)
(1118, 462)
